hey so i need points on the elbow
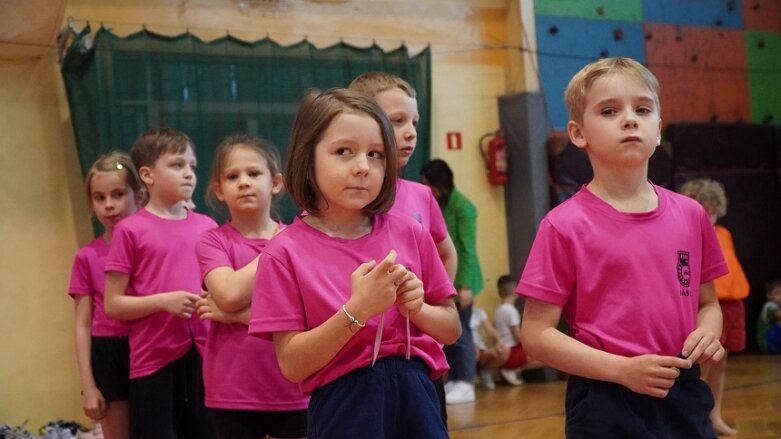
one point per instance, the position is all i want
(230, 304)
(290, 373)
(111, 309)
(454, 335)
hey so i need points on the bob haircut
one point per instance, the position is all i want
(313, 118)
(709, 193)
(580, 84)
(150, 145)
(115, 161)
(439, 175)
(374, 83)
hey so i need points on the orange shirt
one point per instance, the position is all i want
(734, 285)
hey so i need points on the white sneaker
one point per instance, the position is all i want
(449, 386)
(460, 392)
(487, 379)
(511, 376)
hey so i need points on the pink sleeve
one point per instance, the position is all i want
(549, 275)
(80, 276)
(121, 254)
(436, 283)
(438, 228)
(713, 262)
(212, 252)
(276, 300)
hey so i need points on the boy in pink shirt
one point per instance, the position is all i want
(630, 265)
(153, 279)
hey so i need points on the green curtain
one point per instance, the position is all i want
(120, 87)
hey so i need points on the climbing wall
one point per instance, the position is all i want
(716, 60)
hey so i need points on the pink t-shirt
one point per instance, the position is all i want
(629, 283)
(159, 256)
(241, 372)
(304, 278)
(88, 279)
(415, 200)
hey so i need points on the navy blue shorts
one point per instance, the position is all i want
(395, 398)
(249, 424)
(598, 409)
(110, 358)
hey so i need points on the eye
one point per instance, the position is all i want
(415, 122)
(255, 173)
(644, 110)
(231, 176)
(98, 197)
(376, 154)
(342, 151)
(608, 111)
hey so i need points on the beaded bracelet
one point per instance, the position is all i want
(353, 320)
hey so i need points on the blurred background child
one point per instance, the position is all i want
(769, 321)
(114, 191)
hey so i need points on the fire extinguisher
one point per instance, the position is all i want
(495, 158)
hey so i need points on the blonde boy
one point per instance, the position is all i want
(630, 265)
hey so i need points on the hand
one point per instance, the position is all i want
(409, 295)
(652, 375)
(93, 403)
(464, 297)
(208, 310)
(179, 303)
(374, 287)
(701, 346)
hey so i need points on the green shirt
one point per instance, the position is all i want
(461, 220)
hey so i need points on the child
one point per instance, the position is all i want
(488, 358)
(152, 279)
(246, 393)
(631, 266)
(347, 292)
(769, 321)
(730, 290)
(114, 192)
(398, 100)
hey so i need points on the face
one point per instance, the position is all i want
(111, 198)
(246, 184)
(775, 295)
(621, 126)
(172, 177)
(402, 111)
(349, 164)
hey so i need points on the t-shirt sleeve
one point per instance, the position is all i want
(436, 283)
(212, 252)
(548, 275)
(277, 305)
(438, 228)
(713, 263)
(121, 253)
(80, 276)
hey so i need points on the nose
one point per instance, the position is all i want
(411, 132)
(630, 120)
(361, 164)
(243, 180)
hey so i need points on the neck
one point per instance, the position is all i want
(341, 227)
(628, 192)
(166, 210)
(107, 234)
(254, 225)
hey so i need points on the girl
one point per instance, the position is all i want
(362, 337)
(114, 192)
(246, 394)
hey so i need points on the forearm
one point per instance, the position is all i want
(83, 340)
(300, 354)
(709, 318)
(232, 290)
(447, 253)
(440, 321)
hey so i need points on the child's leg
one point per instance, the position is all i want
(715, 379)
(110, 358)
(116, 423)
(195, 421)
(152, 405)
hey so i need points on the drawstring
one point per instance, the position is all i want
(378, 339)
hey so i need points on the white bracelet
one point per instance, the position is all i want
(353, 320)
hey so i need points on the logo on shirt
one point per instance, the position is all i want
(417, 217)
(684, 271)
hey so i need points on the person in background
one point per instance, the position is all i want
(731, 289)
(114, 192)
(461, 219)
(769, 321)
(489, 358)
(631, 266)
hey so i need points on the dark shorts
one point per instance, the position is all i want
(110, 357)
(395, 398)
(169, 403)
(248, 424)
(599, 409)
(733, 334)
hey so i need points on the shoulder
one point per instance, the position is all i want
(396, 224)
(201, 219)
(93, 250)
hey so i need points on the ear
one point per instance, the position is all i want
(277, 183)
(659, 134)
(145, 173)
(576, 135)
(217, 189)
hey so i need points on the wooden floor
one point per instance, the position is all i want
(752, 404)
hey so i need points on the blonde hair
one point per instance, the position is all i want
(709, 193)
(374, 83)
(114, 161)
(580, 84)
(315, 114)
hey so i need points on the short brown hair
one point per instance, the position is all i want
(709, 193)
(150, 145)
(315, 113)
(374, 83)
(580, 84)
(114, 161)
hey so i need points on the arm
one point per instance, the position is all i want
(466, 223)
(302, 353)
(439, 320)
(703, 343)
(119, 305)
(91, 398)
(231, 290)
(490, 329)
(515, 330)
(209, 310)
(647, 374)
(447, 253)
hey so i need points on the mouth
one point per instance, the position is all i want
(357, 188)
(631, 139)
(407, 150)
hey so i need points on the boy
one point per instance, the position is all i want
(631, 266)
(769, 321)
(152, 278)
(399, 101)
